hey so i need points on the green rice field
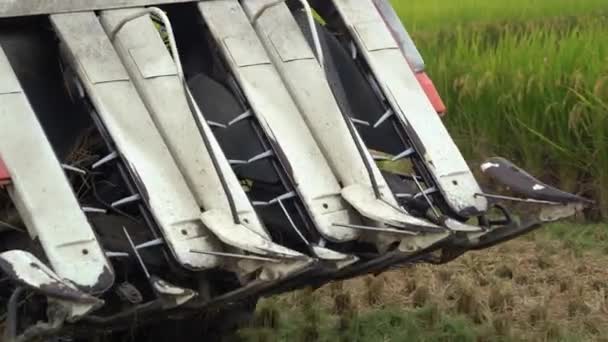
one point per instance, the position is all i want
(432, 15)
(524, 82)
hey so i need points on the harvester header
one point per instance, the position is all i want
(173, 158)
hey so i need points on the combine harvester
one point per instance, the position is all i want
(164, 164)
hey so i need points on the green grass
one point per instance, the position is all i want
(424, 15)
(579, 238)
(390, 324)
(533, 92)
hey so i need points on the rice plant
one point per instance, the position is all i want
(536, 93)
(424, 15)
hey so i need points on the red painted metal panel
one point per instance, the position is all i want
(431, 92)
(5, 178)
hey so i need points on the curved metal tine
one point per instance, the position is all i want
(275, 200)
(136, 252)
(237, 256)
(151, 243)
(516, 199)
(426, 197)
(73, 169)
(112, 156)
(428, 191)
(405, 154)
(419, 178)
(92, 210)
(376, 229)
(126, 200)
(241, 117)
(360, 122)
(237, 162)
(293, 225)
(378, 157)
(248, 114)
(110, 254)
(263, 155)
(354, 53)
(259, 204)
(387, 115)
(258, 157)
(216, 124)
(283, 197)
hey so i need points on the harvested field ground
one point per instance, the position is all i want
(536, 288)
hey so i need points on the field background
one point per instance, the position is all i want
(524, 79)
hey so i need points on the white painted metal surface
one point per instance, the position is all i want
(42, 193)
(15, 8)
(306, 81)
(407, 98)
(363, 199)
(279, 117)
(341, 260)
(403, 38)
(238, 236)
(126, 118)
(173, 296)
(153, 72)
